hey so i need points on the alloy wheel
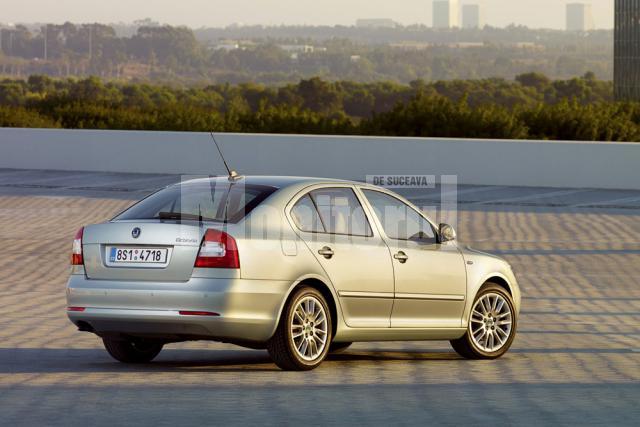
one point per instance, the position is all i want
(491, 322)
(309, 328)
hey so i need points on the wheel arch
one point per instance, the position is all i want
(495, 277)
(500, 281)
(320, 284)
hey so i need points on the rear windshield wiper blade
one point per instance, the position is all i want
(183, 216)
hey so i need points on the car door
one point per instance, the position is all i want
(430, 278)
(335, 227)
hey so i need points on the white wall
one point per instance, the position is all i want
(487, 162)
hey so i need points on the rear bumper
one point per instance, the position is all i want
(248, 310)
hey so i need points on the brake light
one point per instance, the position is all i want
(218, 250)
(75, 308)
(76, 251)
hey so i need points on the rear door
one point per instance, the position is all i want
(335, 227)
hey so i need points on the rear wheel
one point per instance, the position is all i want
(492, 325)
(302, 339)
(339, 347)
(132, 351)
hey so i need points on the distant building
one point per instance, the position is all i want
(472, 16)
(579, 17)
(464, 45)
(626, 75)
(527, 45)
(146, 22)
(376, 23)
(445, 13)
(409, 45)
(297, 48)
(225, 45)
(229, 45)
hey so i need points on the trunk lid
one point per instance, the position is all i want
(181, 240)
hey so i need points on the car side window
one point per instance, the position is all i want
(399, 220)
(341, 212)
(306, 216)
(332, 211)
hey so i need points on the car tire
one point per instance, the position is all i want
(303, 336)
(339, 347)
(132, 351)
(493, 317)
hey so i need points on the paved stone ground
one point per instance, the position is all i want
(576, 359)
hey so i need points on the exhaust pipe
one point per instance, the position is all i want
(84, 326)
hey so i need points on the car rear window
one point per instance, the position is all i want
(206, 201)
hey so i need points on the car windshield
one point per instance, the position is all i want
(204, 201)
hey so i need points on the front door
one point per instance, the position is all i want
(334, 226)
(430, 278)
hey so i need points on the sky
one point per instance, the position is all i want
(220, 13)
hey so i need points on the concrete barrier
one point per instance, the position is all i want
(485, 162)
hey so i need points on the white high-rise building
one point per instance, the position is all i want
(472, 16)
(445, 13)
(579, 17)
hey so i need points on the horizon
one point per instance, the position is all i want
(498, 13)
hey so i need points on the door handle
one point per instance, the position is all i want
(402, 257)
(326, 252)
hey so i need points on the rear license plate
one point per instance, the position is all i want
(137, 257)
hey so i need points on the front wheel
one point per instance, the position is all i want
(302, 339)
(492, 325)
(132, 351)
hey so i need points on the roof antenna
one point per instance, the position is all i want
(233, 175)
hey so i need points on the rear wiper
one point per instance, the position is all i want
(183, 216)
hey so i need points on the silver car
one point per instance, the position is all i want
(300, 266)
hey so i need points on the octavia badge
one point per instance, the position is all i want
(135, 233)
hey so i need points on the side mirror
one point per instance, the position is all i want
(447, 233)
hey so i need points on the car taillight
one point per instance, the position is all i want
(218, 250)
(76, 252)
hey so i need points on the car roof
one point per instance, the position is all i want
(273, 181)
